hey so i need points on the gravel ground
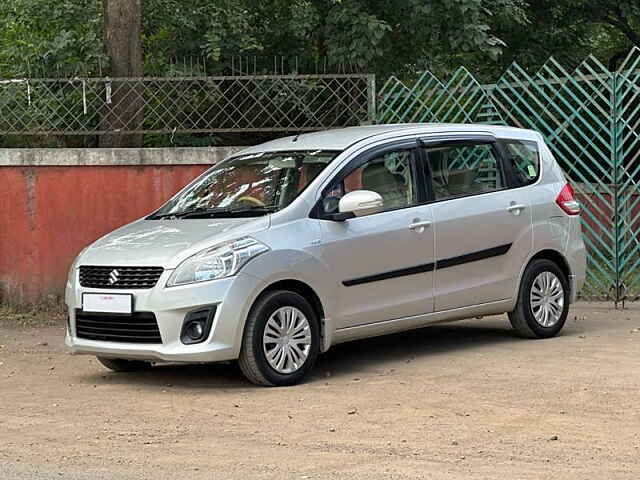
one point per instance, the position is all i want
(466, 400)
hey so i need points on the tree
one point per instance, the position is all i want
(392, 36)
(395, 36)
(569, 30)
(123, 46)
(623, 16)
(381, 37)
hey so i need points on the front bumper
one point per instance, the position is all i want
(231, 296)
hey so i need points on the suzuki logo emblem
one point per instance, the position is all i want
(113, 276)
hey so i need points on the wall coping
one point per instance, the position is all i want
(70, 157)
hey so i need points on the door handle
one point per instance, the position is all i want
(419, 226)
(516, 208)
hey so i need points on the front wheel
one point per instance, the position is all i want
(543, 301)
(281, 340)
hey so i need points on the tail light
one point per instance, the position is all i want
(566, 200)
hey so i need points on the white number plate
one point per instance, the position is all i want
(107, 303)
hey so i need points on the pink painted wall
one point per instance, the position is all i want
(49, 213)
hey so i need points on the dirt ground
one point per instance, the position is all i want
(461, 401)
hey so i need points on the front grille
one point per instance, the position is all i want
(139, 327)
(119, 277)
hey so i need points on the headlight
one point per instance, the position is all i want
(221, 261)
(72, 269)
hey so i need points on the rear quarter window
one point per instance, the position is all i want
(523, 158)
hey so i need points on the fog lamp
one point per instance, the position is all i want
(197, 325)
(195, 330)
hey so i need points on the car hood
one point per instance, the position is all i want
(166, 243)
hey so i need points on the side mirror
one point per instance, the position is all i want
(360, 202)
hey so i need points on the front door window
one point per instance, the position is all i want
(388, 174)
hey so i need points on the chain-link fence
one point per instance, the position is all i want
(268, 103)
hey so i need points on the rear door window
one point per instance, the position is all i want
(463, 169)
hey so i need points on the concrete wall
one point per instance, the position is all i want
(55, 202)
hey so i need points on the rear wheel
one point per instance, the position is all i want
(281, 339)
(122, 365)
(543, 301)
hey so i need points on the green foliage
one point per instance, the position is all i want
(38, 37)
(435, 34)
(569, 30)
(372, 35)
(176, 29)
(354, 35)
(390, 37)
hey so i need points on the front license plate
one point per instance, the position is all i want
(107, 303)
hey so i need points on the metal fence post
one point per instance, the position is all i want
(371, 99)
(615, 160)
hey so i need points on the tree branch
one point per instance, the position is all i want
(621, 22)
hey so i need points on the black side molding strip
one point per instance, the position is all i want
(474, 256)
(429, 267)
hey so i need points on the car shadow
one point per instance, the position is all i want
(382, 352)
(223, 375)
(354, 358)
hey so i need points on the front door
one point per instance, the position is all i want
(383, 262)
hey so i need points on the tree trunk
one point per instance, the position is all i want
(123, 44)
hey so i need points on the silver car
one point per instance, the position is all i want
(287, 248)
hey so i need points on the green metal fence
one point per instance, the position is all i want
(589, 117)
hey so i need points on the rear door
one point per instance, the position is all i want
(482, 226)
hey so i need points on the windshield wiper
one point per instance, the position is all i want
(172, 215)
(218, 212)
(254, 211)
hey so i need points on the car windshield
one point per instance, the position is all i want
(248, 185)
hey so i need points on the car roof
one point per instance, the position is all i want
(342, 138)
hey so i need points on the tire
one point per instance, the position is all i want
(122, 365)
(253, 359)
(523, 318)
